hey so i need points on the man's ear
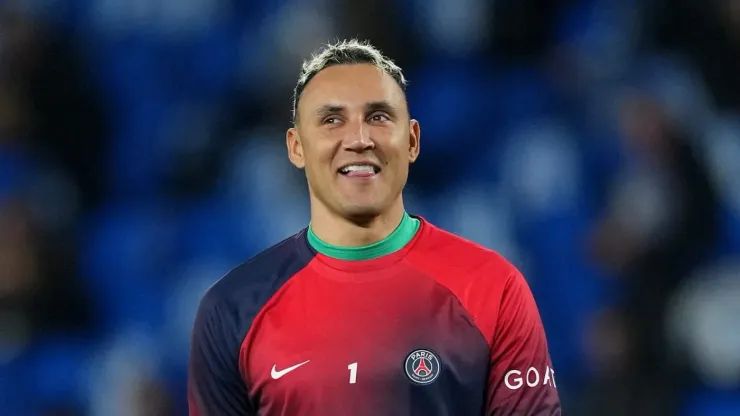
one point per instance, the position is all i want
(295, 148)
(414, 140)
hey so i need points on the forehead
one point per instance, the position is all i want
(351, 85)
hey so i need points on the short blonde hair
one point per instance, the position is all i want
(344, 52)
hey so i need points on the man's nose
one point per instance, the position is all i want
(358, 139)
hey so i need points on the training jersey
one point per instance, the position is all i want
(421, 323)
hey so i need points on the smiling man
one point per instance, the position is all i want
(368, 310)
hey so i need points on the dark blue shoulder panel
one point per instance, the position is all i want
(225, 314)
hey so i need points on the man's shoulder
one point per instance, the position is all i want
(480, 278)
(460, 253)
(253, 280)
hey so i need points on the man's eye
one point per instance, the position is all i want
(331, 120)
(380, 117)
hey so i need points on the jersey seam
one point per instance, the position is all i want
(259, 313)
(504, 293)
(460, 302)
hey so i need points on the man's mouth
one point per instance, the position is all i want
(359, 170)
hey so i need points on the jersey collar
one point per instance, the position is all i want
(399, 238)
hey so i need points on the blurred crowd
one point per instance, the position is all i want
(595, 143)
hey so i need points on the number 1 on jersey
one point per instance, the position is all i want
(352, 373)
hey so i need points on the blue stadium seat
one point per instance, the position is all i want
(447, 99)
(15, 169)
(213, 227)
(140, 160)
(126, 253)
(206, 68)
(16, 395)
(729, 242)
(49, 374)
(132, 75)
(708, 402)
(57, 372)
(522, 93)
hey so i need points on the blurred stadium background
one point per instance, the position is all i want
(596, 143)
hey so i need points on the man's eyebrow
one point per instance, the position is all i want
(371, 107)
(383, 105)
(329, 109)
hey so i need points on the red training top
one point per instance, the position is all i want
(442, 326)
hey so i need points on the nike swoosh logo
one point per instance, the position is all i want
(277, 374)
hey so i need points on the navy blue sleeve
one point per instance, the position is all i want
(215, 385)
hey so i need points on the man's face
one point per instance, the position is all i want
(355, 140)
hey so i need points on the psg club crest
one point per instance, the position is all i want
(422, 366)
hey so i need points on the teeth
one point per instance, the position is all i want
(358, 168)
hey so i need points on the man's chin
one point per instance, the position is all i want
(358, 212)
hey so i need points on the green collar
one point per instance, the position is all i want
(394, 242)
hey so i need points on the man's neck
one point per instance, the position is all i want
(343, 232)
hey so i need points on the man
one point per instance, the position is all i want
(660, 225)
(368, 311)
